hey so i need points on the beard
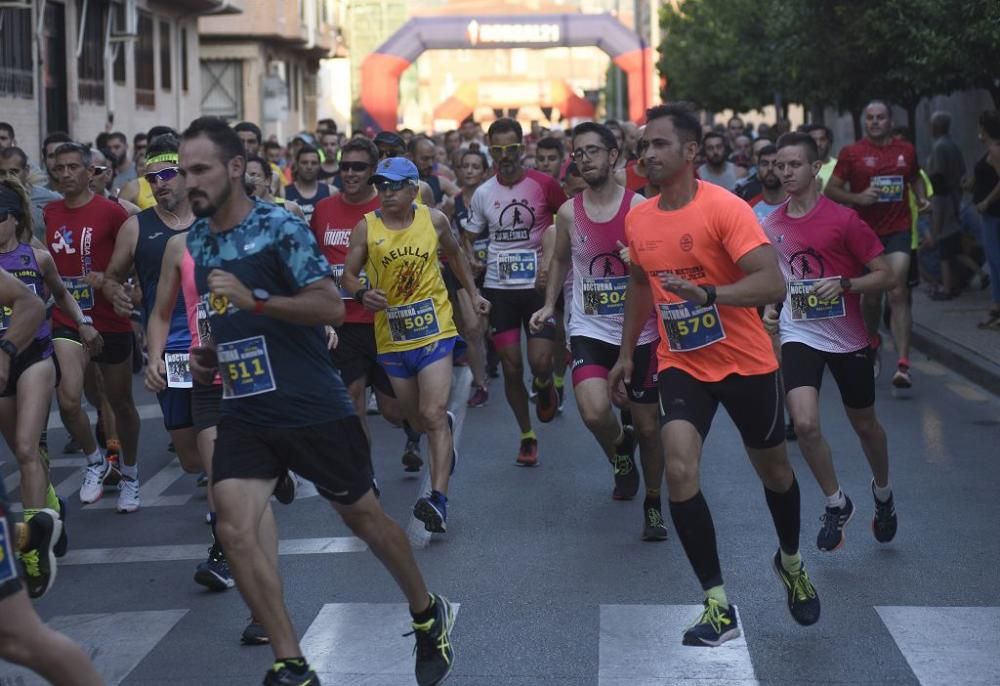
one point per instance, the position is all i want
(599, 180)
(203, 206)
(771, 182)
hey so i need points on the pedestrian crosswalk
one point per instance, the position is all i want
(171, 553)
(638, 645)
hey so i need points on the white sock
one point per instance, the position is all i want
(882, 493)
(95, 457)
(837, 500)
(130, 471)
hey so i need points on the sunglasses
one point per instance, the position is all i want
(163, 175)
(392, 186)
(502, 150)
(354, 166)
(98, 170)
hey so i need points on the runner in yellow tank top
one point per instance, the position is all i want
(414, 330)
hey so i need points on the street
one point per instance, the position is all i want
(554, 584)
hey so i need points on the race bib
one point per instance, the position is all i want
(8, 567)
(412, 322)
(690, 327)
(890, 188)
(604, 296)
(517, 266)
(338, 275)
(481, 248)
(204, 326)
(806, 305)
(178, 370)
(245, 368)
(81, 291)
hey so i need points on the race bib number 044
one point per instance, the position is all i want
(81, 291)
(806, 305)
(517, 266)
(604, 296)
(413, 322)
(690, 327)
(245, 368)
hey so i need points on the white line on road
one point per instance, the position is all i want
(116, 642)
(640, 645)
(361, 643)
(146, 411)
(947, 645)
(170, 553)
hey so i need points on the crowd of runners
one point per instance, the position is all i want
(277, 297)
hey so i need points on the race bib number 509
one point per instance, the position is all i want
(413, 322)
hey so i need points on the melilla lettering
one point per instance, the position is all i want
(408, 251)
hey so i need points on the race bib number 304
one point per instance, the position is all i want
(413, 322)
(81, 291)
(517, 266)
(806, 305)
(890, 188)
(604, 296)
(245, 368)
(690, 327)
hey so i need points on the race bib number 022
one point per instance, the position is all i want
(412, 322)
(690, 327)
(806, 305)
(245, 368)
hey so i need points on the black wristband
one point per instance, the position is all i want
(710, 292)
(9, 348)
(359, 295)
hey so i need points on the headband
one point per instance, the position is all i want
(163, 157)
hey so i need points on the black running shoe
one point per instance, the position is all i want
(626, 475)
(790, 434)
(281, 675)
(435, 655)
(433, 513)
(39, 563)
(884, 523)
(831, 535)
(547, 401)
(63, 543)
(214, 572)
(412, 461)
(654, 528)
(284, 490)
(803, 602)
(254, 634)
(715, 626)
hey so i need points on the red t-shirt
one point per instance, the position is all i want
(81, 240)
(633, 181)
(332, 223)
(889, 167)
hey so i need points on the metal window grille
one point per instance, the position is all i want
(16, 63)
(222, 88)
(90, 63)
(166, 71)
(145, 68)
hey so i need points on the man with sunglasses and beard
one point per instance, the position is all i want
(514, 208)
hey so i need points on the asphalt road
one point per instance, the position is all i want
(554, 584)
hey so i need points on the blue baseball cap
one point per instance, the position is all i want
(395, 169)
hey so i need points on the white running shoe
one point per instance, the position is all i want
(128, 495)
(93, 482)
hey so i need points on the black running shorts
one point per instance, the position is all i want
(754, 403)
(802, 365)
(593, 358)
(38, 350)
(333, 455)
(117, 345)
(206, 406)
(356, 356)
(511, 312)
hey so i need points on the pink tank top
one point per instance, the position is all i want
(197, 313)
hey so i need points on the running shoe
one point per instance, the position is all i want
(254, 634)
(372, 407)
(901, 380)
(39, 563)
(480, 397)
(202, 481)
(128, 495)
(284, 490)
(626, 475)
(432, 510)
(435, 655)
(714, 626)
(63, 543)
(527, 456)
(93, 482)
(214, 572)
(875, 353)
(790, 434)
(412, 461)
(547, 402)
(803, 602)
(282, 675)
(115, 476)
(831, 535)
(884, 523)
(654, 528)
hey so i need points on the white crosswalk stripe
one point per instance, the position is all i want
(640, 645)
(170, 553)
(947, 645)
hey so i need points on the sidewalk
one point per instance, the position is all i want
(946, 332)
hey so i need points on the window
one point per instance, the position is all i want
(165, 65)
(222, 88)
(145, 68)
(184, 60)
(16, 63)
(288, 84)
(295, 88)
(90, 64)
(120, 48)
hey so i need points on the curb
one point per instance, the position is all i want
(962, 360)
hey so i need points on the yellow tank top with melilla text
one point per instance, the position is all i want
(404, 265)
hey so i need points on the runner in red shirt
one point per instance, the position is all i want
(80, 232)
(875, 175)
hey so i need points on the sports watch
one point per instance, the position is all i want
(709, 294)
(845, 284)
(260, 298)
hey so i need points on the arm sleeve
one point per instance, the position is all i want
(301, 259)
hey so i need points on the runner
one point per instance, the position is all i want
(259, 179)
(24, 639)
(717, 168)
(284, 406)
(550, 156)
(307, 191)
(880, 170)
(699, 254)
(513, 209)
(329, 170)
(828, 256)
(80, 232)
(590, 233)
(398, 245)
(772, 194)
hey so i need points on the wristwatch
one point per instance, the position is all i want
(260, 298)
(845, 284)
(710, 292)
(359, 295)
(8, 348)
(85, 320)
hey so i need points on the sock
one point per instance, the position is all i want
(718, 594)
(411, 434)
(130, 471)
(95, 457)
(425, 616)
(539, 384)
(785, 512)
(297, 665)
(904, 363)
(791, 563)
(211, 522)
(837, 500)
(51, 499)
(530, 433)
(559, 381)
(29, 513)
(882, 493)
(693, 522)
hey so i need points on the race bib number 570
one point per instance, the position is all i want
(690, 327)
(245, 368)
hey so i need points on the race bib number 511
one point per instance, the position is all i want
(245, 368)
(690, 327)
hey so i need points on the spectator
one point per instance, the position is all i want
(14, 162)
(124, 169)
(945, 166)
(986, 196)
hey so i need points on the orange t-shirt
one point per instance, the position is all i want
(702, 242)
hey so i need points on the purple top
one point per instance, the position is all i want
(21, 262)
